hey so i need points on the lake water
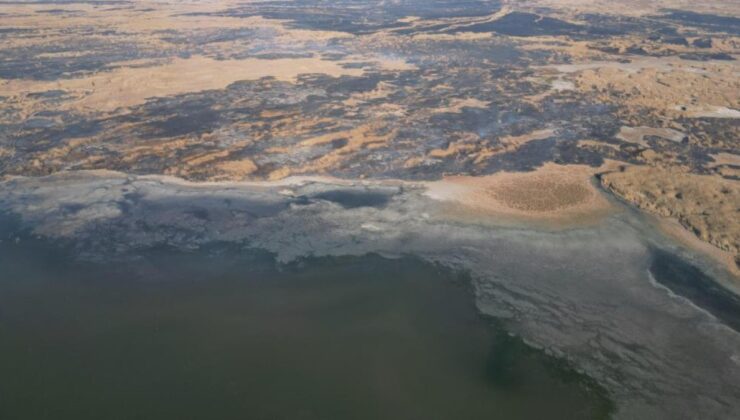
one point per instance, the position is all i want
(225, 333)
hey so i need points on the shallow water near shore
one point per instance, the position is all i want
(226, 333)
(688, 281)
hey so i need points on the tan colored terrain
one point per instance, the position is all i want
(364, 136)
(127, 86)
(708, 206)
(458, 104)
(554, 194)
(512, 143)
(665, 90)
(633, 7)
(721, 159)
(637, 135)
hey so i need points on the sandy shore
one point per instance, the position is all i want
(582, 292)
(552, 196)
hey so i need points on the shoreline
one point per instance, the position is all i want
(550, 197)
(672, 229)
(472, 199)
(556, 288)
(266, 266)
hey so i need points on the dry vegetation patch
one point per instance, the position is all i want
(709, 206)
(563, 194)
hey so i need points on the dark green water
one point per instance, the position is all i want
(224, 334)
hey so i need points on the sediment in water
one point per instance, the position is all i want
(583, 293)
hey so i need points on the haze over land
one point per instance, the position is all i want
(550, 147)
